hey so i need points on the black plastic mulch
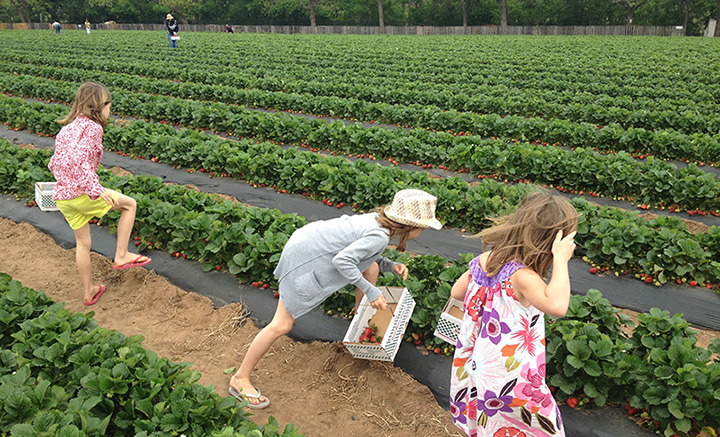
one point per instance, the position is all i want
(698, 305)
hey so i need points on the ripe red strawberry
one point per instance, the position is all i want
(266, 286)
(678, 281)
(571, 402)
(368, 332)
(594, 270)
(693, 283)
(256, 284)
(137, 238)
(276, 295)
(632, 411)
(184, 255)
(438, 350)
(648, 279)
(217, 267)
(137, 243)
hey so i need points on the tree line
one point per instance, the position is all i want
(693, 15)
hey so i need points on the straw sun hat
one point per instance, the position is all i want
(169, 17)
(414, 208)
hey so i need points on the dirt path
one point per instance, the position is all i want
(317, 386)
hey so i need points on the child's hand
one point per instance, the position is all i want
(402, 270)
(563, 247)
(108, 198)
(379, 303)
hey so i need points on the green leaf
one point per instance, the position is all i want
(574, 361)
(590, 390)
(683, 425)
(675, 408)
(229, 370)
(592, 368)
(664, 372)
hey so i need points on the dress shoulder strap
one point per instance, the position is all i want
(480, 276)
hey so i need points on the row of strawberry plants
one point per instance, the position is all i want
(63, 375)
(665, 381)
(195, 221)
(244, 240)
(621, 240)
(300, 58)
(667, 144)
(656, 182)
(612, 238)
(353, 100)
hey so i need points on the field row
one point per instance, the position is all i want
(620, 240)
(371, 101)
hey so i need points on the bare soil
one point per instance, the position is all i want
(318, 386)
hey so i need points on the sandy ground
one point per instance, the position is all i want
(318, 386)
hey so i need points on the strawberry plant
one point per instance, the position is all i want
(64, 375)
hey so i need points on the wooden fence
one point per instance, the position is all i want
(391, 30)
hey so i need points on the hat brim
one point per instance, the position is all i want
(418, 223)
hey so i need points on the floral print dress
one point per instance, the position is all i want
(498, 384)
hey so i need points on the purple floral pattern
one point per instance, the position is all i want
(498, 377)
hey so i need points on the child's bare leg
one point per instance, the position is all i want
(83, 242)
(128, 206)
(371, 274)
(280, 325)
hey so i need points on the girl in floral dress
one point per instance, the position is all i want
(498, 384)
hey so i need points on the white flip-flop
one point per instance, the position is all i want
(241, 397)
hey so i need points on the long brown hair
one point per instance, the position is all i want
(397, 230)
(527, 235)
(89, 101)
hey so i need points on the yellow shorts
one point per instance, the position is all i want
(80, 210)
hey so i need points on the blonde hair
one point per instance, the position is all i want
(89, 102)
(527, 235)
(397, 230)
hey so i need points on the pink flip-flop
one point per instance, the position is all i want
(133, 263)
(101, 290)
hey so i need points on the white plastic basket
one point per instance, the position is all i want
(392, 327)
(43, 196)
(448, 327)
(175, 38)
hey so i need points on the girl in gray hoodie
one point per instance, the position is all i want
(323, 257)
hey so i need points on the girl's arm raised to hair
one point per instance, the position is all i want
(460, 287)
(552, 298)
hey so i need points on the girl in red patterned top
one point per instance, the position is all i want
(78, 193)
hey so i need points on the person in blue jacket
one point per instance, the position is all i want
(324, 256)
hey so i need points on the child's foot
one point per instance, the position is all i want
(130, 260)
(247, 388)
(93, 298)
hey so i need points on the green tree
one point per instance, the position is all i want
(630, 7)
